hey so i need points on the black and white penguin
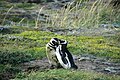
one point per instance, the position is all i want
(58, 54)
(64, 57)
(51, 53)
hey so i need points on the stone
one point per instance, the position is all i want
(110, 69)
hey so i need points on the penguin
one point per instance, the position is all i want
(64, 57)
(58, 54)
(51, 53)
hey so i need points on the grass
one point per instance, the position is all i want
(10, 16)
(99, 46)
(33, 42)
(88, 15)
(80, 15)
(28, 44)
(61, 74)
(20, 44)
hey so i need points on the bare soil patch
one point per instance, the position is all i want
(84, 63)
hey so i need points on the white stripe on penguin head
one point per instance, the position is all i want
(65, 42)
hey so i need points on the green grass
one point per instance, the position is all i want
(98, 46)
(61, 74)
(23, 44)
(32, 42)
(74, 16)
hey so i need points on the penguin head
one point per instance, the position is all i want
(54, 42)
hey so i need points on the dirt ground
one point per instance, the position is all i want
(84, 63)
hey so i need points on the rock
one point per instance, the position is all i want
(4, 29)
(55, 6)
(76, 57)
(84, 58)
(106, 63)
(110, 69)
(1, 28)
(107, 26)
(87, 57)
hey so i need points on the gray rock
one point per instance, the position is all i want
(84, 58)
(110, 69)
